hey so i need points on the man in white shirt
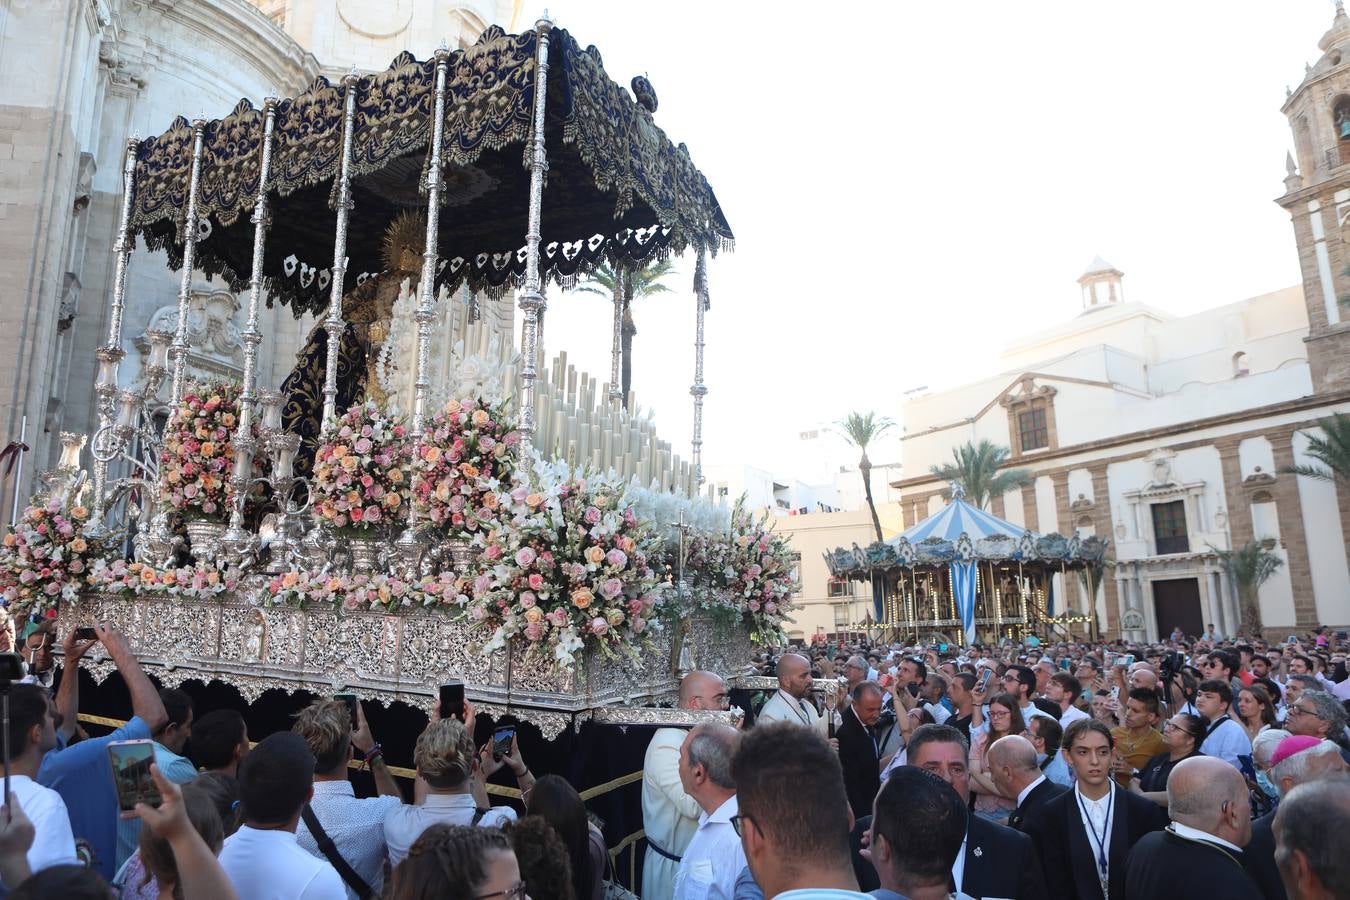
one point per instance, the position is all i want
(451, 787)
(932, 691)
(1063, 689)
(714, 857)
(1020, 681)
(1225, 739)
(789, 703)
(32, 732)
(669, 815)
(354, 827)
(262, 859)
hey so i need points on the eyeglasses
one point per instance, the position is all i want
(1305, 712)
(514, 892)
(736, 822)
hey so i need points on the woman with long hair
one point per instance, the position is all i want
(559, 804)
(1253, 710)
(458, 862)
(1005, 718)
(1183, 734)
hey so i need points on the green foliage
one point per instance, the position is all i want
(1332, 451)
(976, 468)
(860, 430)
(1248, 567)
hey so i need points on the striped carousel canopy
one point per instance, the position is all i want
(956, 518)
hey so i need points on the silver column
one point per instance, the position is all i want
(425, 309)
(110, 354)
(699, 389)
(244, 443)
(616, 345)
(180, 346)
(530, 298)
(333, 323)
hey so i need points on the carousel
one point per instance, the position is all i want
(423, 498)
(966, 576)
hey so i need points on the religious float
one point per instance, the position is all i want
(966, 575)
(423, 498)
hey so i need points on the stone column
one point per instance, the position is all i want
(1239, 508)
(1290, 511)
(1101, 523)
(996, 505)
(1060, 480)
(1029, 517)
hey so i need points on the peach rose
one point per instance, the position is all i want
(582, 598)
(595, 555)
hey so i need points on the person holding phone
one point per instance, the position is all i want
(350, 829)
(32, 732)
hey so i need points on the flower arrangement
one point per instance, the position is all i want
(197, 453)
(377, 591)
(568, 562)
(43, 558)
(198, 582)
(748, 570)
(458, 466)
(361, 476)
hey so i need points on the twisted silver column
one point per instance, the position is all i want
(110, 354)
(409, 547)
(244, 443)
(333, 323)
(699, 390)
(531, 299)
(180, 346)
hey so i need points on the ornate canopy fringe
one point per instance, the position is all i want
(618, 190)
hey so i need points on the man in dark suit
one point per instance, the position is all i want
(1200, 853)
(1084, 835)
(858, 751)
(995, 861)
(1012, 765)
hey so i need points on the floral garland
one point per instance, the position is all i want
(569, 562)
(377, 591)
(43, 557)
(197, 453)
(459, 465)
(750, 571)
(200, 582)
(360, 482)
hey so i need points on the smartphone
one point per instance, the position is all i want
(1291, 639)
(86, 633)
(351, 701)
(985, 678)
(452, 699)
(501, 743)
(1064, 664)
(131, 775)
(1115, 693)
(942, 648)
(1129, 659)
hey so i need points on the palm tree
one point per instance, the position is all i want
(624, 287)
(976, 468)
(860, 430)
(1248, 567)
(1333, 451)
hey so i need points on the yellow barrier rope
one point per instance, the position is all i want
(410, 774)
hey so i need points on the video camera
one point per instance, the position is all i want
(1172, 664)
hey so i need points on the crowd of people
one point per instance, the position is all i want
(1025, 771)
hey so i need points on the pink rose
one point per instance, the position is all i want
(525, 556)
(363, 446)
(536, 581)
(528, 599)
(372, 514)
(493, 552)
(599, 626)
(482, 583)
(592, 515)
(611, 588)
(534, 631)
(616, 558)
(754, 606)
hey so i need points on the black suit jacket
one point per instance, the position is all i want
(1260, 859)
(1042, 793)
(862, 769)
(1068, 857)
(1000, 862)
(1163, 866)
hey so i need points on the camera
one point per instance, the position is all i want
(1172, 663)
(11, 668)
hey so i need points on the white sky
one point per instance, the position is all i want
(915, 183)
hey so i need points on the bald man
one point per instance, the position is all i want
(1200, 854)
(669, 815)
(1016, 773)
(789, 702)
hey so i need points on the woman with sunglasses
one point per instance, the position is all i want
(1183, 734)
(458, 862)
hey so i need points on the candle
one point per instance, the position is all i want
(271, 409)
(107, 369)
(129, 404)
(159, 348)
(285, 460)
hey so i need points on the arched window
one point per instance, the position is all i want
(1240, 365)
(1340, 117)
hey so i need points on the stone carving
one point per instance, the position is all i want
(213, 337)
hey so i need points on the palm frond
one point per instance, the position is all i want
(861, 429)
(976, 468)
(1331, 449)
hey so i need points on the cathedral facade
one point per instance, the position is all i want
(83, 76)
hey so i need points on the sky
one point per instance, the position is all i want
(914, 184)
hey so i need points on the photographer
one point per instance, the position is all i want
(80, 772)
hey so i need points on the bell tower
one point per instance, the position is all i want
(1317, 196)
